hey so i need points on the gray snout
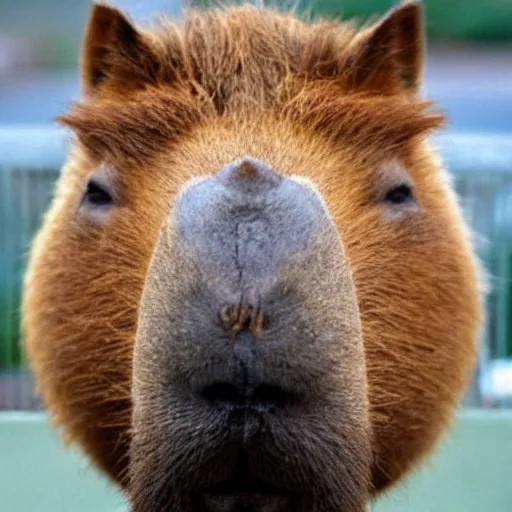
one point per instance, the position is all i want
(249, 359)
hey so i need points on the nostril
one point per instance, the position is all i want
(262, 398)
(223, 393)
(272, 395)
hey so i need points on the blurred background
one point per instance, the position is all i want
(469, 75)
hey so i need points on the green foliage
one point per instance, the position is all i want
(489, 20)
(10, 340)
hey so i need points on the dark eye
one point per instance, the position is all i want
(399, 195)
(97, 194)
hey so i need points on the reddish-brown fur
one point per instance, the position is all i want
(320, 100)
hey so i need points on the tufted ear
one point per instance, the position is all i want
(388, 56)
(114, 50)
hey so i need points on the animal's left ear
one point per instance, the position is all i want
(114, 50)
(388, 56)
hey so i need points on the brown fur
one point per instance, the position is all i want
(320, 100)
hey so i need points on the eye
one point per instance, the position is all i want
(399, 195)
(97, 194)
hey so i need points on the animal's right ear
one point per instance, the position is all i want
(388, 56)
(114, 50)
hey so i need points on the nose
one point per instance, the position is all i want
(236, 233)
(235, 383)
(244, 390)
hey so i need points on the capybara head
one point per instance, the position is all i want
(254, 289)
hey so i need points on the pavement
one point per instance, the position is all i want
(472, 85)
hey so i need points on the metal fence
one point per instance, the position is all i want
(30, 159)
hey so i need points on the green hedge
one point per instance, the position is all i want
(11, 356)
(483, 20)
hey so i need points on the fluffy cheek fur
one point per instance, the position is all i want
(81, 300)
(416, 282)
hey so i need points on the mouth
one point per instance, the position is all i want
(246, 487)
(241, 493)
(246, 495)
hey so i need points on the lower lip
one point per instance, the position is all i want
(244, 500)
(253, 488)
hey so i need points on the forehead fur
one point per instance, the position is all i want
(243, 61)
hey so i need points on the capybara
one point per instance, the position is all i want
(254, 290)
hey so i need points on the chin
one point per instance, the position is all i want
(249, 501)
